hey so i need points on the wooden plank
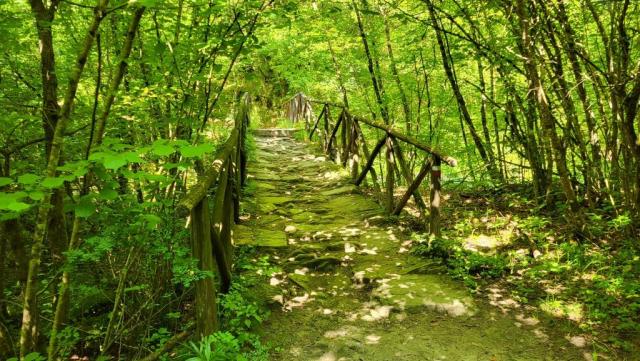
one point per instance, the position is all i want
(372, 157)
(315, 126)
(406, 173)
(325, 134)
(405, 138)
(333, 133)
(413, 187)
(365, 152)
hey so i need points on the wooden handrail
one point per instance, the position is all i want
(211, 242)
(199, 190)
(349, 152)
(410, 140)
(398, 135)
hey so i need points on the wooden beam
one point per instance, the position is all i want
(333, 133)
(410, 140)
(324, 108)
(406, 173)
(372, 157)
(413, 187)
(434, 222)
(205, 298)
(365, 152)
(201, 188)
(220, 230)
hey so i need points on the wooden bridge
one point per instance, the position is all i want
(212, 204)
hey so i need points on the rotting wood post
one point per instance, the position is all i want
(390, 175)
(434, 217)
(205, 299)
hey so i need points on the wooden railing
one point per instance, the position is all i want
(211, 245)
(352, 147)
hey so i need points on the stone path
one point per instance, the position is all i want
(350, 290)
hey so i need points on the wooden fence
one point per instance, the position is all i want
(299, 108)
(219, 186)
(352, 147)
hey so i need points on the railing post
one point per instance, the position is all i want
(434, 217)
(220, 226)
(326, 129)
(206, 308)
(390, 174)
(353, 148)
(343, 152)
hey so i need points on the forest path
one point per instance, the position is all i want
(350, 290)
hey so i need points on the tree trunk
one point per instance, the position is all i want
(29, 329)
(537, 94)
(446, 63)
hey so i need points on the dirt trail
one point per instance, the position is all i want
(350, 290)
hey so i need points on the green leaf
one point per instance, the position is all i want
(162, 150)
(97, 155)
(151, 220)
(28, 179)
(18, 206)
(132, 157)
(52, 182)
(84, 208)
(4, 181)
(36, 195)
(114, 161)
(34, 356)
(108, 194)
(196, 150)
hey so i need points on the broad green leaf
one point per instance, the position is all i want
(84, 208)
(34, 356)
(52, 182)
(4, 181)
(36, 195)
(151, 220)
(114, 161)
(132, 157)
(97, 155)
(28, 179)
(162, 150)
(108, 194)
(18, 206)
(196, 150)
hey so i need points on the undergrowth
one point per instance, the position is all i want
(241, 310)
(591, 279)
